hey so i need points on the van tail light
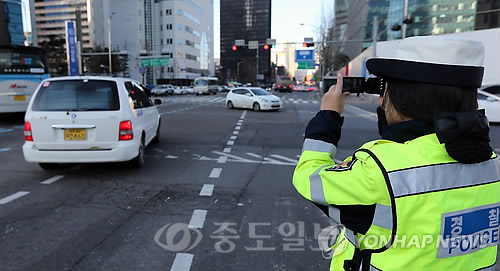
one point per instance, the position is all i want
(126, 132)
(28, 136)
(290, 86)
(279, 85)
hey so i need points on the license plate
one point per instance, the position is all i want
(75, 134)
(19, 97)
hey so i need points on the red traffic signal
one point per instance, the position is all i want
(234, 48)
(266, 47)
(305, 44)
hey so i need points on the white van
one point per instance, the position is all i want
(89, 119)
(206, 85)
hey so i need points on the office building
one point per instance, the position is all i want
(248, 20)
(430, 17)
(11, 22)
(487, 14)
(50, 17)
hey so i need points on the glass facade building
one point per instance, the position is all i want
(11, 23)
(248, 20)
(488, 14)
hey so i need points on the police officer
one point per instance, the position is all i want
(427, 195)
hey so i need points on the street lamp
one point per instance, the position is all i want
(109, 39)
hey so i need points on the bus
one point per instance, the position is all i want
(206, 85)
(22, 68)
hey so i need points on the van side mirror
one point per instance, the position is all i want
(157, 101)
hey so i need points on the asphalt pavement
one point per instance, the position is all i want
(215, 194)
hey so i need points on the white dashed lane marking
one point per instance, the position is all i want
(227, 150)
(233, 137)
(215, 173)
(13, 197)
(235, 132)
(207, 190)
(230, 143)
(197, 219)
(237, 127)
(182, 262)
(53, 179)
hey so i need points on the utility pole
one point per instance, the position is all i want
(375, 35)
(405, 15)
(109, 39)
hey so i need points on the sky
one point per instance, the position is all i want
(286, 19)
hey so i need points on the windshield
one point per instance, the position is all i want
(259, 91)
(77, 95)
(22, 60)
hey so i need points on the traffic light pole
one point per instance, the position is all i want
(257, 65)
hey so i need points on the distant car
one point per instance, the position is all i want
(299, 88)
(284, 84)
(89, 119)
(189, 90)
(180, 90)
(312, 88)
(252, 97)
(163, 90)
(491, 104)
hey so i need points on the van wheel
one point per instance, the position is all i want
(156, 139)
(49, 166)
(138, 161)
(230, 105)
(256, 107)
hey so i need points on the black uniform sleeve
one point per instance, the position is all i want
(325, 126)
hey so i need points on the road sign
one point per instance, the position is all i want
(152, 62)
(304, 55)
(306, 65)
(71, 45)
(142, 69)
(253, 44)
(271, 41)
(308, 40)
(239, 42)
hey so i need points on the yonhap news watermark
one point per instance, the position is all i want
(226, 237)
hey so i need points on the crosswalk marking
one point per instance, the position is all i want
(222, 99)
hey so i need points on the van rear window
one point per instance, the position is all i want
(77, 95)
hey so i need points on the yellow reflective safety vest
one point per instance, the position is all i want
(431, 212)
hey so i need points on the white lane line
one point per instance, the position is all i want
(236, 132)
(13, 197)
(230, 143)
(215, 173)
(222, 160)
(243, 115)
(53, 179)
(207, 190)
(5, 149)
(254, 155)
(284, 158)
(240, 121)
(315, 102)
(361, 112)
(237, 127)
(227, 150)
(233, 137)
(197, 219)
(182, 262)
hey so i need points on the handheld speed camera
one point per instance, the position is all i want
(373, 85)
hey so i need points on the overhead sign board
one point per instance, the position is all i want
(271, 41)
(153, 62)
(304, 55)
(306, 65)
(308, 40)
(253, 44)
(239, 42)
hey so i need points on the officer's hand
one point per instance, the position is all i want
(334, 99)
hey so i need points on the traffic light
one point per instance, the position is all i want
(234, 48)
(306, 44)
(266, 47)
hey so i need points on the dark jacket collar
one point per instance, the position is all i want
(407, 130)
